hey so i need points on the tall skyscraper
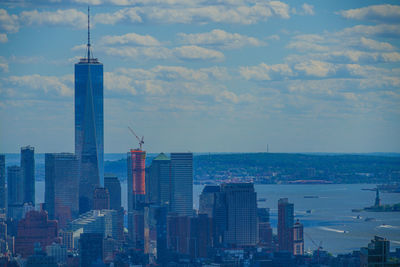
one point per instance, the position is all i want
(298, 238)
(182, 183)
(136, 160)
(15, 192)
(241, 204)
(61, 187)
(113, 186)
(3, 200)
(158, 180)
(28, 173)
(285, 225)
(89, 126)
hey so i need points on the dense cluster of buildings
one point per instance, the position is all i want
(82, 221)
(162, 227)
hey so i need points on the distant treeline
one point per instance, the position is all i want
(281, 167)
(270, 167)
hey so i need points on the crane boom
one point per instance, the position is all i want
(141, 142)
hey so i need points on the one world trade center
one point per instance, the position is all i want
(89, 126)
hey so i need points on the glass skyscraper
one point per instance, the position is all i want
(182, 183)
(61, 187)
(28, 173)
(89, 127)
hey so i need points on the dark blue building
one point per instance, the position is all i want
(89, 127)
(28, 173)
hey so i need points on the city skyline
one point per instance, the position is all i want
(301, 77)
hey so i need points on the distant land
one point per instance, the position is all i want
(269, 168)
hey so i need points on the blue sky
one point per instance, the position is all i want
(206, 76)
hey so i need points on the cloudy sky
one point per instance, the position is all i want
(206, 76)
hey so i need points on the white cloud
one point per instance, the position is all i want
(264, 72)
(118, 83)
(3, 38)
(280, 8)
(350, 45)
(130, 38)
(391, 57)
(308, 9)
(316, 68)
(128, 52)
(274, 37)
(197, 53)
(8, 22)
(176, 73)
(196, 12)
(3, 64)
(67, 17)
(380, 13)
(122, 15)
(375, 45)
(49, 84)
(383, 30)
(220, 38)
(228, 95)
(81, 47)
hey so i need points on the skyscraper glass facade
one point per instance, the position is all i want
(182, 183)
(89, 128)
(61, 188)
(28, 173)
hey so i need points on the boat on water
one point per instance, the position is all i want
(309, 211)
(357, 210)
(369, 219)
(262, 200)
(311, 196)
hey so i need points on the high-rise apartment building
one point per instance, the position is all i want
(35, 228)
(158, 180)
(3, 194)
(241, 205)
(182, 183)
(15, 192)
(207, 199)
(178, 233)
(28, 173)
(111, 182)
(101, 199)
(61, 187)
(89, 127)
(376, 254)
(298, 238)
(200, 236)
(264, 228)
(285, 225)
(136, 160)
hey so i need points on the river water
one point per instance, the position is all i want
(331, 222)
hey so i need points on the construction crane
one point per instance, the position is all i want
(141, 142)
(319, 247)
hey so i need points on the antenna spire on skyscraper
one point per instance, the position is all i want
(88, 44)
